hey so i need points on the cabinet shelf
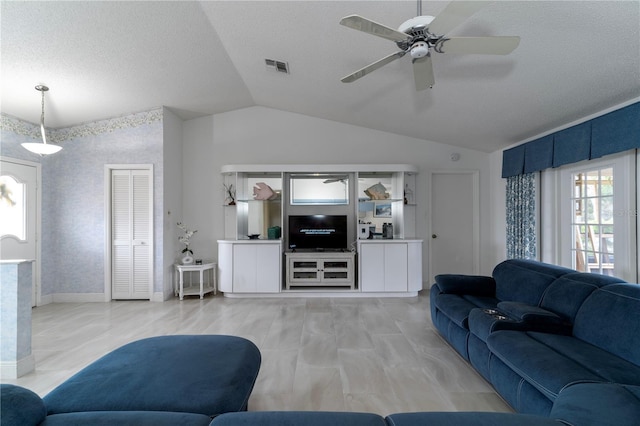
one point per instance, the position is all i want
(386, 200)
(320, 270)
(251, 200)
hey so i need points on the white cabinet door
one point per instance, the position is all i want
(384, 267)
(256, 268)
(395, 267)
(372, 275)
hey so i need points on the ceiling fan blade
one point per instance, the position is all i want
(372, 67)
(359, 23)
(423, 73)
(499, 45)
(454, 14)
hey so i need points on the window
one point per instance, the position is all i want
(592, 221)
(12, 208)
(595, 230)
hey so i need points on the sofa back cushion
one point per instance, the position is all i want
(610, 319)
(520, 280)
(566, 294)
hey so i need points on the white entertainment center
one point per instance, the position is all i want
(319, 230)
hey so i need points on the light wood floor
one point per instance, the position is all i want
(372, 355)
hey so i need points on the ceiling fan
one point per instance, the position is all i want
(422, 35)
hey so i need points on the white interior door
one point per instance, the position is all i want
(454, 241)
(19, 213)
(131, 234)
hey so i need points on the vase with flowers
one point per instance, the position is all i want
(187, 259)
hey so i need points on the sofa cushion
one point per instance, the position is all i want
(530, 355)
(466, 284)
(468, 419)
(481, 324)
(127, 418)
(20, 406)
(528, 313)
(298, 418)
(203, 374)
(598, 404)
(525, 281)
(457, 307)
(610, 319)
(565, 295)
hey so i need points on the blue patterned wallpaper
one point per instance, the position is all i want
(73, 211)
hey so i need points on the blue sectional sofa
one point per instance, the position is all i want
(165, 380)
(562, 347)
(552, 341)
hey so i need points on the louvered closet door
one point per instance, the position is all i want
(131, 230)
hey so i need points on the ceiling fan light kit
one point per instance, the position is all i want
(421, 35)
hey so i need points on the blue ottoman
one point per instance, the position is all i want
(202, 374)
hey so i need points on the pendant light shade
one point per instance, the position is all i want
(43, 148)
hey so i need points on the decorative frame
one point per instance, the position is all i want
(382, 210)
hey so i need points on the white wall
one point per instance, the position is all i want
(259, 135)
(498, 224)
(172, 202)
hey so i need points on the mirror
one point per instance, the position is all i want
(319, 189)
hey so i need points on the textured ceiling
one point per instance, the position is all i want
(106, 59)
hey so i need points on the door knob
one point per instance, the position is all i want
(434, 236)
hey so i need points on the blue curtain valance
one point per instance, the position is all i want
(614, 132)
(513, 161)
(538, 154)
(572, 145)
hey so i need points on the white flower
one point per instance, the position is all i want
(184, 239)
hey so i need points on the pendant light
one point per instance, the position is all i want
(43, 148)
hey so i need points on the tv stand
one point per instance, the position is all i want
(320, 269)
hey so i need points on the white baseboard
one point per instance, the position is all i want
(45, 300)
(15, 369)
(78, 297)
(159, 296)
(92, 298)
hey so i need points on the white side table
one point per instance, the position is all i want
(210, 286)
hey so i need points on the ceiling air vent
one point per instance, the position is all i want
(277, 65)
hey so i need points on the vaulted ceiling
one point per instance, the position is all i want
(106, 59)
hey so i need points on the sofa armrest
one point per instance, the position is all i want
(530, 314)
(476, 285)
(20, 406)
(598, 404)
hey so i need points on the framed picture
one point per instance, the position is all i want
(382, 210)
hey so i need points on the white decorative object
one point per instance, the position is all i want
(377, 192)
(262, 191)
(185, 239)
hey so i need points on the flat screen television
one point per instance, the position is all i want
(318, 232)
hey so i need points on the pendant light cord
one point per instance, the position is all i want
(44, 138)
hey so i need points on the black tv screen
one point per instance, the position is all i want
(318, 232)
